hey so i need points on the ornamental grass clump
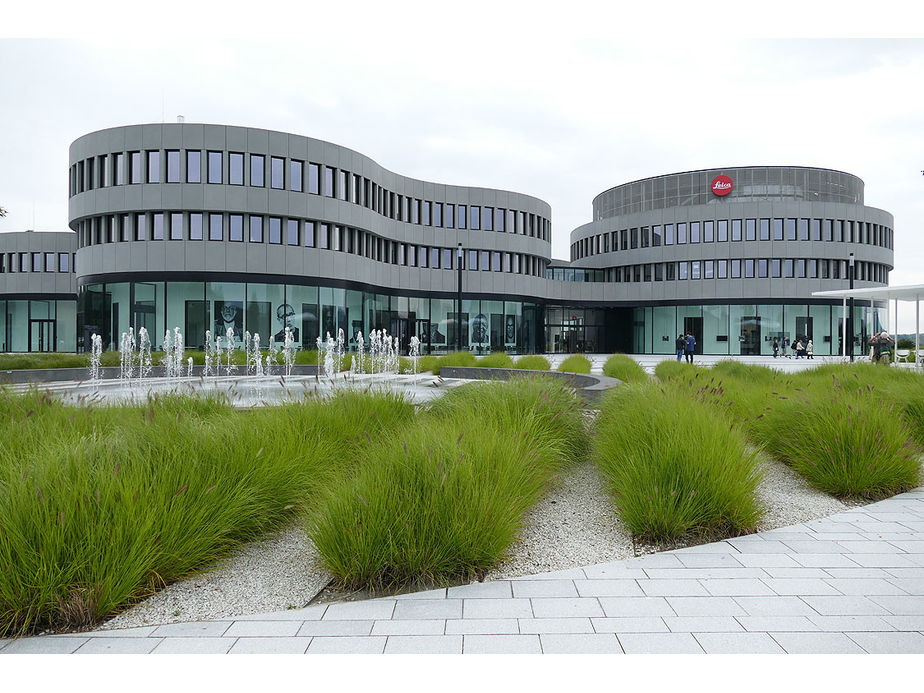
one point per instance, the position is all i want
(443, 499)
(576, 363)
(497, 359)
(101, 506)
(455, 358)
(844, 443)
(532, 362)
(675, 467)
(624, 368)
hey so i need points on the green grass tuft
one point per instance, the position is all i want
(624, 368)
(576, 363)
(498, 359)
(533, 362)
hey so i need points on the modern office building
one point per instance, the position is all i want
(210, 227)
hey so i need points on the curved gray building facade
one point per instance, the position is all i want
(205, 226)
(736, 265)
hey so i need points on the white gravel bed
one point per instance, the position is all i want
(575, 524)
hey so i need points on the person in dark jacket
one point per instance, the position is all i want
(691, 345)
(776, 347)
(680, 344)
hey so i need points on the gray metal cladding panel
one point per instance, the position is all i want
(195, 256)
(172, 197)
(210, 197)
(236, 257)
(257, 202)
(275, 259)
(138, 255)
(215, 257)
(235, 139)
(256, 258)
(157, 256)
(236, 198)
(214, 136)
(175, 255)
(294, 262)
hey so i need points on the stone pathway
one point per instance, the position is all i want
(849, 583)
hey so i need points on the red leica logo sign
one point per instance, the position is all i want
(722, 185)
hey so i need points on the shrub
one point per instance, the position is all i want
(498, 359)
(624, 368)
(533, 362)
(847, 444)
(576, 363)
(675, 468)
(455, 358)
(10, 362)
(427, 363)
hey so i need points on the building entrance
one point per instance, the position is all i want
(750, 335)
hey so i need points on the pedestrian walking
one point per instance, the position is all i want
(691, 345)
(680, 344)
(776, 347)
(799, 349)
(809, 350)
(786, 347)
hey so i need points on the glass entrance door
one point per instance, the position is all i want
(42, 335)
(750, 335)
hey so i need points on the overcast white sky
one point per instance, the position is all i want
(561, 104)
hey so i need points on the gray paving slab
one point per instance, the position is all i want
(618, 572)
(439, 593)
(424, 644)
(584, 643)
(309, 613)
(353, 627)
(347, 645)
(859, 623)
(774, 606)
(714, 547)
(673, 588)
(630, 624)
(197, 629)
(883, 560)
(359, 611)
(501, 644)
(556, 625)
(659, 643)
(865, 586)
(738, 643)
(812, 546)
(497, 608)
(269, 629)
(698, 573)
(428, 608)
(544, 588)
(564, 607)
(607, 588)
(858, 572)
(910, 605)
(867, 546)
(750, 546)
(707, 606)
(768, 560)
(482, 590)
(708, 560)
(817, 643)
(635, 606)
(482, 626)
(410, 627)
(141, 645)
(777, 623)
(915, 622)
(799, 586)
(703, 624)
(193, 645)
(569, 574)
(736, 587)
(847, 605)
(270, 646)
(826, 560)
(800, 573)
(45, 644)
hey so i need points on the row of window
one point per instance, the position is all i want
(36, 262)
(745, 268)
(197, 226)
(723, 230)
(121, 168)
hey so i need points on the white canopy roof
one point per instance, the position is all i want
(911, 292)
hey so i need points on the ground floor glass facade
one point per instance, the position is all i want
(38, 325)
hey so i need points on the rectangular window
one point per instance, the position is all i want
(236, 168)
(708, 231)
(328, 181)
(499, 220)
(257, 164)
(816, 229)
(277, 173)
(683, 270)
(135, 167)
(750, 230)
(788, 268)
(462, 217)
(426, 208)
(475, 217)
(736, 230)
(195, 226)
(295, 175)
(829, 229)
(735, 269)
(314, 179)
(176, 226)
(434, 258)
(800, 268)
(236, 227)
(694, 269)
(670, 271)
(49, 262)
(668, 235)
(681, 233)
(655, 236)
(708, 268)
(64, 262)
(118, 170)
(216, 227)
(633, 238)
(324, 236)
(342, 186)
(485, 261)
(722, 232)
(101, 170)
(646, 241)
(292, 232)
(722, 269)
(449, 215)
(173, 166)
(790, 229)
(694, 232)
(157, 226)
(813, 269)
(193, 167)
(765, 229)
(776, 270)
(154, 167)
(437, 214)
(495, 261)
(141, 231)
(309, 234)
(275, 230)
(487, 218)
(256, 229)
(778, 229)
(125, 227)
(472, 260)
(762, 268)
(215, 167)
(803, 229)
(749, 268)
(36, 262)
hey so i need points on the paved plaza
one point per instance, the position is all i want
(849, 583)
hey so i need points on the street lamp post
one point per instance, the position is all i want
(850, 314)
(459, 300)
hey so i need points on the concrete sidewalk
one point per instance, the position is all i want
(849, 583)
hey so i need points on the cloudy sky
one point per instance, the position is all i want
(560, 106)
